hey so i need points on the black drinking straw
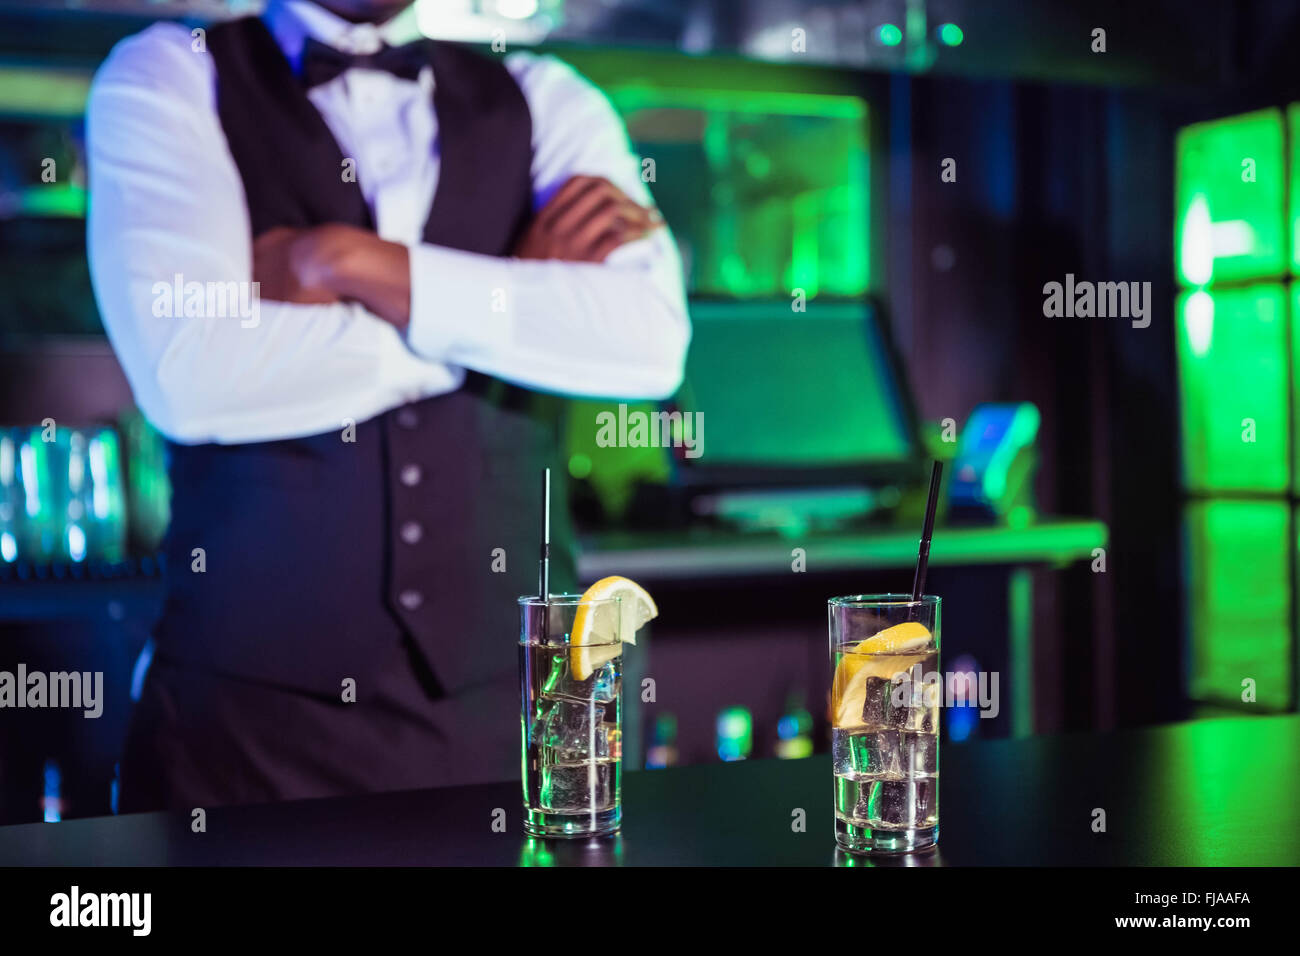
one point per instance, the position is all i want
(544, 562)
(927, 532)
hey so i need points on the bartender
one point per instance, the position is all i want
(443, 244)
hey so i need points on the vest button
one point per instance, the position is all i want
(410, 599)
(410, 475)
(412, 532)
(407, 418)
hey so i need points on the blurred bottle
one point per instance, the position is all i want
(52, 798)
(735, 734)
(97, 496)
(11, 497)
(39, 530)
(61, 495)
(662, 751)
(794, 730)
(963, 713)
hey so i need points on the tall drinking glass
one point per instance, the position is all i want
(572, 717)
(885, 721)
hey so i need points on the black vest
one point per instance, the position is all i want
(321, 553)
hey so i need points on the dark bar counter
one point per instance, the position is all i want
(1221, 792)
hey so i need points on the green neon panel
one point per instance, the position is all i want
(1229, 198)
(1293, 214)
(1295, 394)
(1239, 601)
(765, 192)
(1234, 383)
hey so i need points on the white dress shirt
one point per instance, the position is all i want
(166, 199)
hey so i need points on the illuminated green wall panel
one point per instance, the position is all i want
(1295, 393)
(1293, 213)
(1234, 382)
(1239, 595)
(1229, 200)
(767, 192)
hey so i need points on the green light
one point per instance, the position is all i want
(1022, 433)
(1180, 784)
(1198, 322)
(54, 200)
(41, 91)
(536, 853)
(631, 97)
(1196, 251)
(735, 734)
(1020, 633)
(1233, 378)
(613, 473)
(1239, 600)
(1293, 214)
(1295, 392)
(785, 183)
(579, 465)
(763, 172)
(1230, 217)
(889, 35)
(950, 35)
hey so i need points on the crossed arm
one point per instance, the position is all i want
(586, 220)
(350, 325)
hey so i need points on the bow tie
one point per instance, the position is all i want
(322, 62)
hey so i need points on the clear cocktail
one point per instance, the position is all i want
(570, 667)
(885, 721)
(572, 729)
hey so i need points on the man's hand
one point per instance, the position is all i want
(273, 269)
(334, 262)
(585, 221)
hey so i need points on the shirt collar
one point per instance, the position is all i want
(291, 22)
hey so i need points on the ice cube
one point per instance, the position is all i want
(920, 752)
(923, 717)
(588, 786)
(912, 705)
(875, 704)
(873, 753)
(602, 686)
(898, 803)
(574, 731)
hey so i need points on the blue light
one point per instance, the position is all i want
(961, 722)
(52, 805)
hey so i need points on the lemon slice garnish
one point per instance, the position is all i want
(892, 651)
(601, 629)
